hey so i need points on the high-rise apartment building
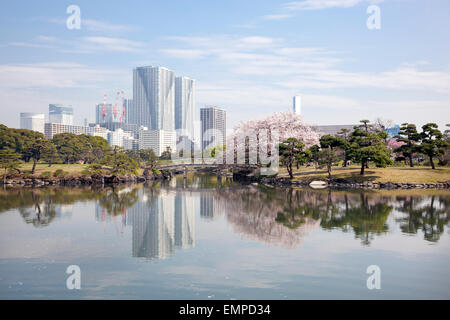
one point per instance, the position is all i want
(184, 106)
(154, 97)
(60, 114)
(128, 105)
(32, 121)
(214, 124)
(158, 140)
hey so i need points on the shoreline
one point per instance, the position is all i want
(338, 183)
(84, 180)
(239, 177)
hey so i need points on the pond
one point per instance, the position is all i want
(204, 238)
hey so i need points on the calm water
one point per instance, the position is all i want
(204, 239)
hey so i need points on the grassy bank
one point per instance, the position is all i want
(390, 174)
(74, 170)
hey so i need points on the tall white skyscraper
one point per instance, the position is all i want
(297, 105)
(214, 123)
(154, 97)
(60, 114)
(32, 121)
(185, 105)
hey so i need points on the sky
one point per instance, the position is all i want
(249, 57)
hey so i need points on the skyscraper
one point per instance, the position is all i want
(60, 114)
(184, 106)
(297, 105)
(153, 97)
(128, 104)
(214, 124)
(32, 121)
(104, 113)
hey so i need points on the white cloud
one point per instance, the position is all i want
(287, 10)
(324, 4)
(185, 53)
(45, 39)
(53, 75)
(96, 25)
(111, 44)
(279, 16)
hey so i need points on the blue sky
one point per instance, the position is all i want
(249, 57)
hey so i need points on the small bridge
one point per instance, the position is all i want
(216, 167)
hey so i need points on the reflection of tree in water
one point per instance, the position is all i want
(287, 216)
(117, 201)
(253, 213)
(428, 214)
(41, 213)
(39, 207)
(366, 217)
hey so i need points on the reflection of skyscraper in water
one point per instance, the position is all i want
(162, 223)
(207, 206)
(184, 221)
(64, 211)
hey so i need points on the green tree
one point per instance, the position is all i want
(409, 135)
(313, 153)
(149, 160)
(91, 147)
(432, 142)
(69, 147)
(50, 154)
(37, 149)
(329, 141)
(366, 146)
(291, 150)
(9, 161)
(166, 155)
(343, 137)
(366, 125)
(327, 157)
(119, 164)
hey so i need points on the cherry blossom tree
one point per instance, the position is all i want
(251, 141)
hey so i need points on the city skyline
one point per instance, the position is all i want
(253, 58)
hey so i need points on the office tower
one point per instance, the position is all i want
(185, 105)
(214, 124)
(158, 140)
(104, 114)
(60, 114)
(32, 121)
(129, 111)
(297, 105)
(153, 97)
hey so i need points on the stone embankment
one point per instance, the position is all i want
(343, 183)
(86, 180)
(247, 176)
